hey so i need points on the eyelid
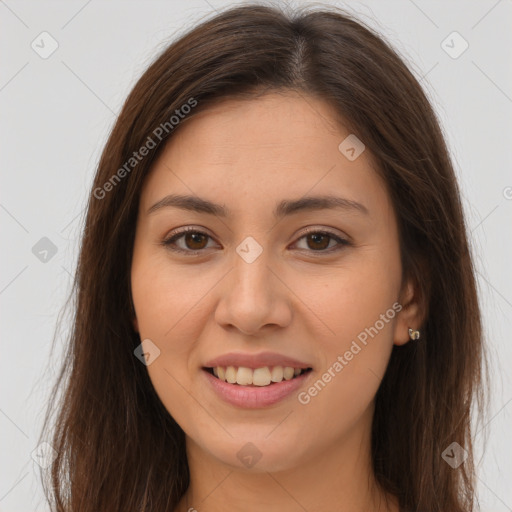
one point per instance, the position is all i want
(342, 240)
(179, 232)
(319, 229)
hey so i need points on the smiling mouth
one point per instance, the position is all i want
(257, 377)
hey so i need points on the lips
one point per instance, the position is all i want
(254, 361)
(255, 380)
(255, 397)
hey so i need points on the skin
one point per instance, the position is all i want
(293, 299)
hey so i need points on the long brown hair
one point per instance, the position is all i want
(118, 447)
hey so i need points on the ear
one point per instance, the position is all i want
(412, 315)
(135, 323)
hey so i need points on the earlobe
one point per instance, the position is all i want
(414, 334)
(135, 324)
(410, 317)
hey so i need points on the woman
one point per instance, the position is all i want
(276, 303)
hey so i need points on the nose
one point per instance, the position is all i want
(253, 297)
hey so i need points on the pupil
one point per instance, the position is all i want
(318, 235)
(193, 235)
(316, 238)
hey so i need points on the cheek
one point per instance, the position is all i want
(167, 309)
(166, 297)
(350, 298)
(357, 308)
(354, 362)
(167, 305)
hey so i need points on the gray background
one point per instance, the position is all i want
(57, 113)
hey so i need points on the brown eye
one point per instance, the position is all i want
(193, 241)
(319, 240)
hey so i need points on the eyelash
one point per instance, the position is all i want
(169, 242)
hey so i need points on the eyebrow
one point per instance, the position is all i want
(284, 208)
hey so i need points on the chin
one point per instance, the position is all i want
(258, 456)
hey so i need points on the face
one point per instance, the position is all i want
(261, 285)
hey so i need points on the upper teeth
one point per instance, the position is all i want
(257, 377)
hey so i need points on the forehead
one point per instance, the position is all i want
(276, 124)
(274, 146)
